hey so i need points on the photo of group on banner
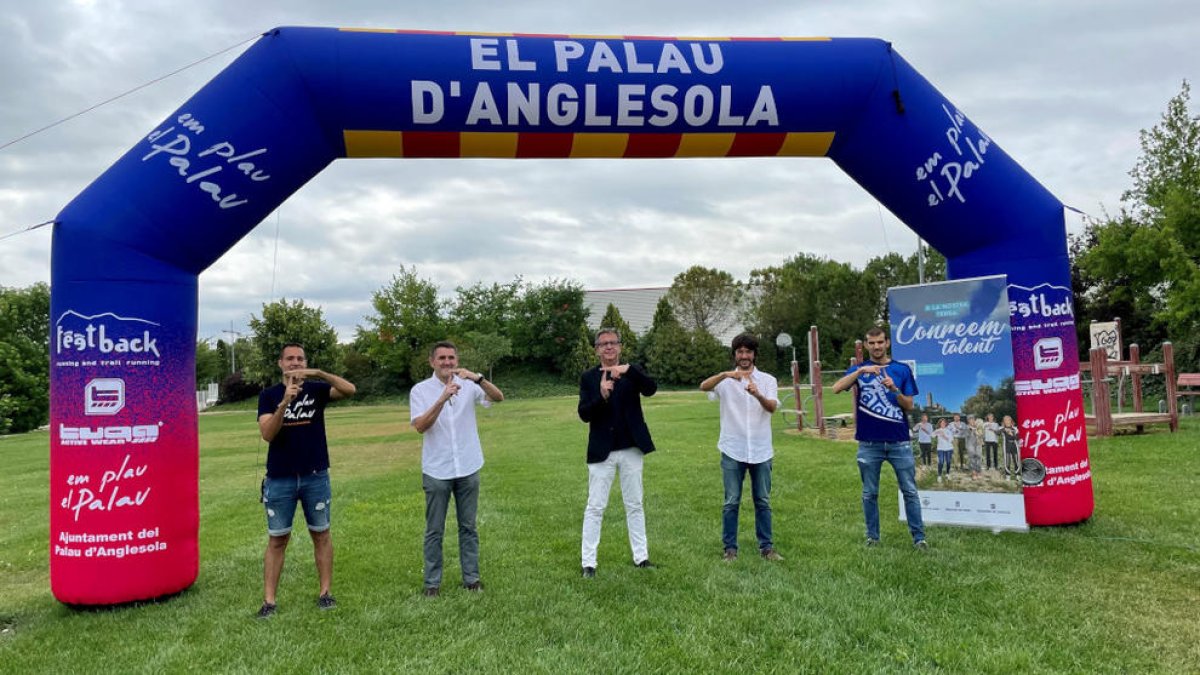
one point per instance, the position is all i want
(957, 339)
(955, 336)
(974, 452)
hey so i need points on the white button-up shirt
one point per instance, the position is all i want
(450, 448)
(745, 424)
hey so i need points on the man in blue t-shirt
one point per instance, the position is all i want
(885, 391)
(291, 417)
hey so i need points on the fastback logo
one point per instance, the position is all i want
(104, 333)
(1045, 300)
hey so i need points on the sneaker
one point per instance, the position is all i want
(266, 611)
(730, 555)
(921, 545)
(431, 591)
(589, 572)
(475, 587)
(645, 564)
(872, 542)
(326, 601)
(770, 554)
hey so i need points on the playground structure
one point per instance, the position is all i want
(794, 404)
(1102, 420)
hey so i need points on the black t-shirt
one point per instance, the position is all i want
(299, 447)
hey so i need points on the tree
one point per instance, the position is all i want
(283, 322)
(406, 323)
(482, 351)
(243, 353)
(24, 358)
(613, 319)
(675, 355)
(705, 299)
(551, 326)
(995, 401)
(485, 309)
(209, 366)
(809, 291)
(1147, 257)
(893, 270)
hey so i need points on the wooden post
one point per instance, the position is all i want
(799, 402)
(814, 378)
(1172, 392)
(1101, 404)
(1135, 357)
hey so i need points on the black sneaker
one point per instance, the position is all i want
(326, 602)
(871, 543)
(266, 611)
(645, 564)
(589, 572)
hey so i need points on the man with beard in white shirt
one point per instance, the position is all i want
(748, 398)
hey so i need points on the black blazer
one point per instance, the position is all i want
(623, 408)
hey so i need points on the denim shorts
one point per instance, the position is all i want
(279, 496)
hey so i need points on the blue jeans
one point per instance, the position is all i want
(945, 461)
(733, 473)
(871, 456)
(279, 497)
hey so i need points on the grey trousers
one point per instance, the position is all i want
(437, 503)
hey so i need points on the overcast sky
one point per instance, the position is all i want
(1063, 87)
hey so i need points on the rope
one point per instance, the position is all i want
(275, 255)
(28, 229)
(126, 93)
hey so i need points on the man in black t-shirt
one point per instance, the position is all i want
(291, 417)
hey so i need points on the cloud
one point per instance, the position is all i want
(1062, 88)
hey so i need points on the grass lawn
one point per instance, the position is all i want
(1116, 594)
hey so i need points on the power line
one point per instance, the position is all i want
(126, 93)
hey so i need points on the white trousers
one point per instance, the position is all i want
(600, 478)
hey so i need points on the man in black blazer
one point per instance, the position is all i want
(610, 402)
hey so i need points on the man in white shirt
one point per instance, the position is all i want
(748, 397)
(442, 408)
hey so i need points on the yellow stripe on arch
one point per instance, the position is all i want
(704, 145)
(599, 145)
(373, 143)
(488, 144)
(806, 144)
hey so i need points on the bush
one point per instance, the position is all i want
(234, 388)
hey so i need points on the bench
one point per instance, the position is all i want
(844, 419)
(1188, 384)
(835, 422)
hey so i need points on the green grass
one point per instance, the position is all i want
(1116, 594)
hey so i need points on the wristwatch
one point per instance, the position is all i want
(481, 379)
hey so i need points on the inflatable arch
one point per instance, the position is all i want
(127, 251)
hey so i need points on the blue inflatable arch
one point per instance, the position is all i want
(127, 251)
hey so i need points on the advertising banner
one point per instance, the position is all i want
(957, 339)
(124, 494)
